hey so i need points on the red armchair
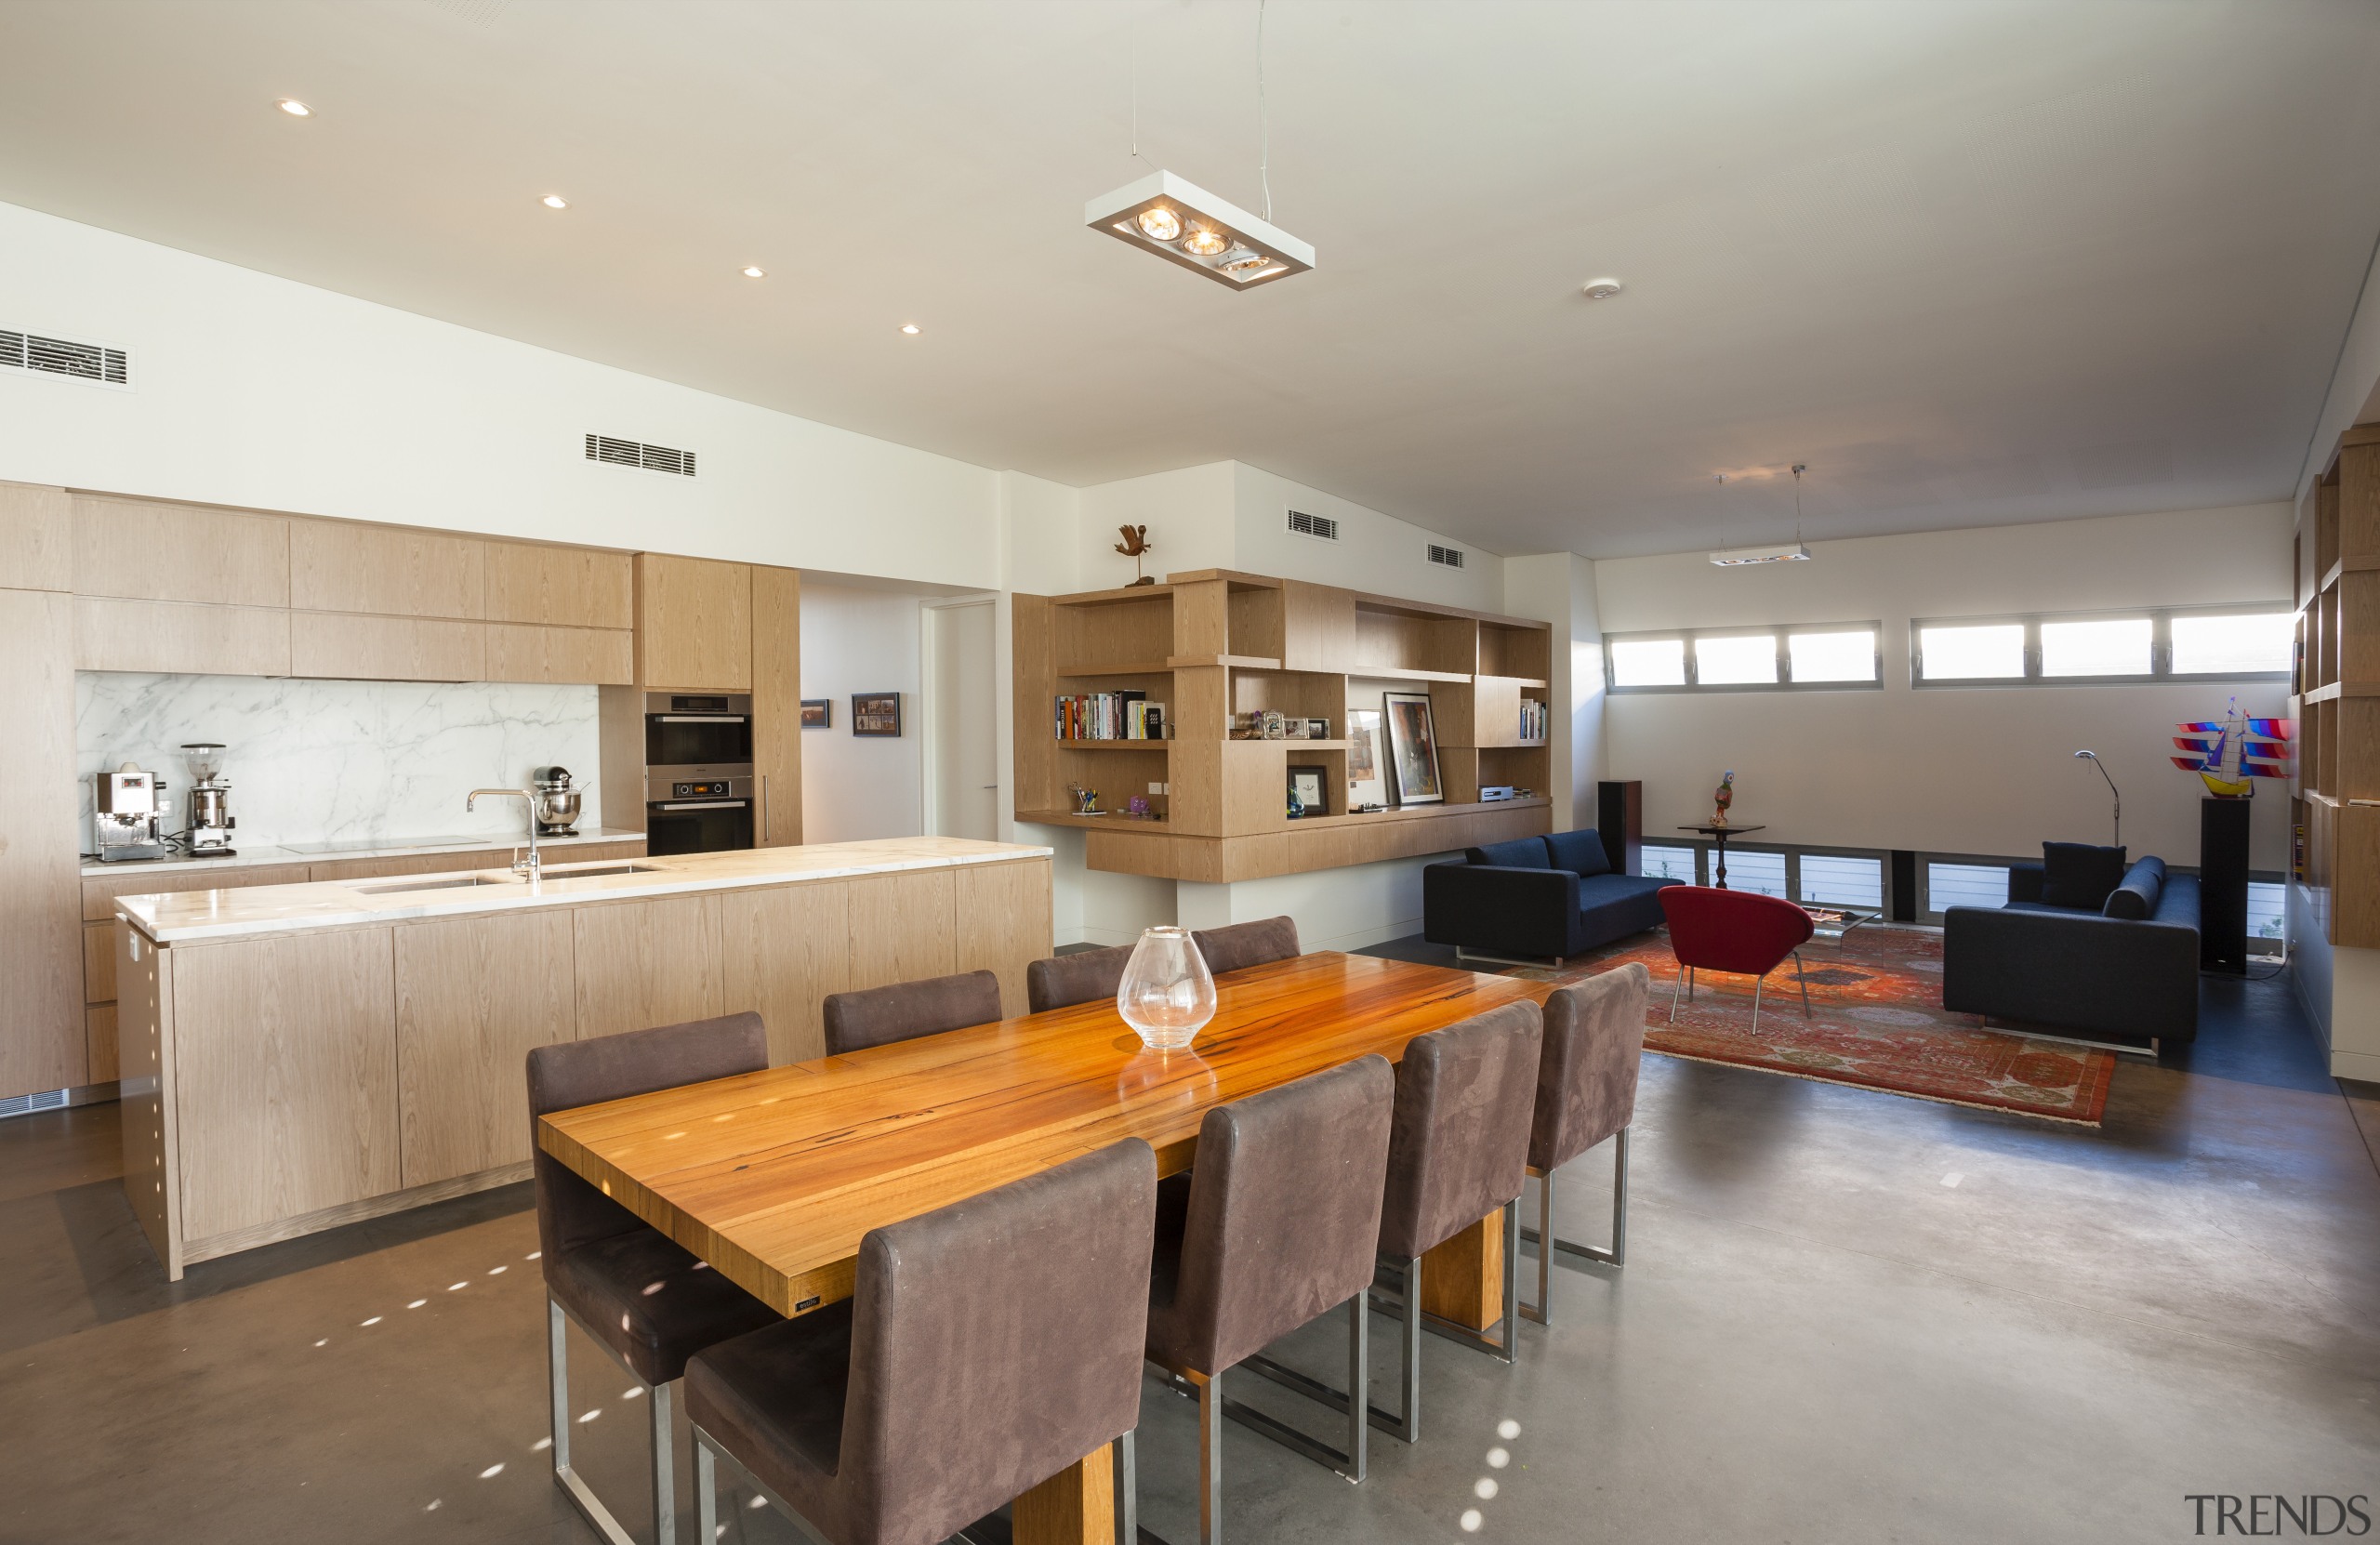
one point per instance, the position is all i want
(1741, 931)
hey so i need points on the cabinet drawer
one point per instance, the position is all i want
(347, 647)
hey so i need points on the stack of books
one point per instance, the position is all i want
(1110, 715)
(1535, 717)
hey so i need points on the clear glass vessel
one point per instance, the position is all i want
(1167, 995)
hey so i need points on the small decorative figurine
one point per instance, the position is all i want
(1724, 796)
(1137, 807)
(1086, 799)
(1136, 543)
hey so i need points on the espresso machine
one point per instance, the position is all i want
(128, 816)
(207, 833)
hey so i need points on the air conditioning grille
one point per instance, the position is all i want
(1323, 527)
(615, 452)
(95, 363)
(1449, 556)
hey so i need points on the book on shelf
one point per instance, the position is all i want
(1109, 716)
(1536, 716)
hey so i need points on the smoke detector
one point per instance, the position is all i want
(1601, 289)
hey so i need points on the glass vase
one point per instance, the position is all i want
(1167, 995)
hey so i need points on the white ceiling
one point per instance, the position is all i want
(1973, 262)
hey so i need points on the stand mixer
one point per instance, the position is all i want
(209, 832)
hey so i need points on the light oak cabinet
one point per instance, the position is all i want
(475, 995)
(393, 570)
(193, 637)
(146, 549)
(351, 646)
(643, 963)
(560, 587)
(42, 1026)
(787, 949)
(36, 538)
(285, 1055)
(534, 652)
(1000, 916)
(776, 706)
(693, 624)
(904, 928)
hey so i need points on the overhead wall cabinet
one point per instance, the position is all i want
(1213, 645)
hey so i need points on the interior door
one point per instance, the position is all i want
(961, 684)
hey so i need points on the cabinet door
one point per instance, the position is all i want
(36, 538)
(645, 963)
(336, 566)
(560, 587)
(902, 928)
(534, 652)
(144, 549)
(1318, 627)
(1001, 912)
(41, 940)
(693, 624)
(345, 646)
(474, 996)
(776, 706)
(286, 1076)
(788, 947)
(193, 638)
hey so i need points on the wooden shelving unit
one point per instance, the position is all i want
(1233, 643)
(2338, 691)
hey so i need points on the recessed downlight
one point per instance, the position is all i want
(555, 200)
(295, 108)
(753, 271)
(1601, 289)
(910, 328)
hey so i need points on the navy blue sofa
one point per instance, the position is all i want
(1535, 896)
(2126, 970)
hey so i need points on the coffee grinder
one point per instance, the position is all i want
(209, 832)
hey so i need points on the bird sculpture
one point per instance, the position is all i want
(1724, 796)
(1135, 542)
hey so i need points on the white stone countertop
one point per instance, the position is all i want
(196, 916)
(253, 855)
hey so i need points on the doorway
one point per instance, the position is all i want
(962, 773)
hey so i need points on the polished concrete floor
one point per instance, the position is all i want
(1846, 1316)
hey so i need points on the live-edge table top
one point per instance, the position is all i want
(775, 1177)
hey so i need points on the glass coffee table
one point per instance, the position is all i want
(1832, 922)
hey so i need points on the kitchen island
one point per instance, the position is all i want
(295, 1057)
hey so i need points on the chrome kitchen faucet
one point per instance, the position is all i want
(529, 868)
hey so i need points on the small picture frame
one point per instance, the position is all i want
(1309, 789)
(1366, 784)
(1412, 748)
(876, 713)
(818, 713)
(1317, 728)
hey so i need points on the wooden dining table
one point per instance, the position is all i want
(775, 1177)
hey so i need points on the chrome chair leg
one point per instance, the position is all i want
(1354, 1403)
(1616, 1256)
(1210, 1463)
(1542, 1310)
(707, 1452)
(582, 1495)
(706, 1494)
(1127, 1491)
(1805, 976)
(1676, 987)
(665, 1470)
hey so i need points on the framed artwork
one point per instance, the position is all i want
(818, 713)
(1412, 748)
(876, 713)
(1365, 784)
(1310, 788)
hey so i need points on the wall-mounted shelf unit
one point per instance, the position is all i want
(1239, 643)
(2338, 691)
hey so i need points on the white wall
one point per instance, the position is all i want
(852, 786)
(259, 391)
(1376, 553)
(1979, 769)
(1559, 587)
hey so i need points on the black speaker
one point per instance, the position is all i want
(1904, 891)
(1619, 821)
(2223, 884)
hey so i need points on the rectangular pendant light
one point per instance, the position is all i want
(1182, 223)
(1795, 553)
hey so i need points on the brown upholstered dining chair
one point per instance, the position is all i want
(880, 1015)
(1275, 1227)
(1229, 949)
(1458, 1152)
(1586, 1092)
(988, 1346)
(1085, 976)
(639, 1294)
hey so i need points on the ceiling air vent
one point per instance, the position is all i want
(630, 452)
(94, 364)
(1321, 526)
(1450, 558)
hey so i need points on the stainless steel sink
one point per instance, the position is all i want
(455, 884)
(606, 869)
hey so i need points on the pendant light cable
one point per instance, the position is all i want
(1799, 467)
(1263, 124)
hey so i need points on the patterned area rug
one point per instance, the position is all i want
(1877, 1021)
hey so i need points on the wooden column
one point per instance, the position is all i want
(1463, 1280)
(1077, 1506)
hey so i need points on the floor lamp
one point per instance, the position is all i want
(2093, 755)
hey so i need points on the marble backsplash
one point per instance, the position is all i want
(324, 762)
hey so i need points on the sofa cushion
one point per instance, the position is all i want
(1521, 852)
(2079, 875)
(1578, 851)
(2137, 898)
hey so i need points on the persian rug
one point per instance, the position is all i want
(1877, 1022)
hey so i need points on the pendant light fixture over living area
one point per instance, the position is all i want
(1182, 223)
(1798, 552)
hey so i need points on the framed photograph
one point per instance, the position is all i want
(818, 713)
(1310, 789)
(1412, 748)
(876, 713)
(1365, 784)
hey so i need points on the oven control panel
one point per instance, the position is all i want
(710, 788)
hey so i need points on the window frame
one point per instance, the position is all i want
(2160, 646)
(1779, 633)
